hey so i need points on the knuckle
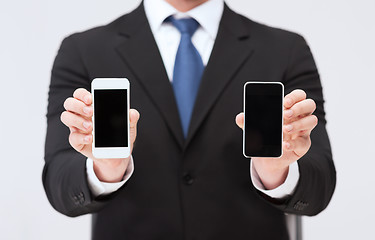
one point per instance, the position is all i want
(72, 120)
(297, 109)
(300, 124)
(72, 139)
(292, 145)
(296, 126)
(79, 122)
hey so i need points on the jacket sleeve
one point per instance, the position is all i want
(317, 171)
(64, 174)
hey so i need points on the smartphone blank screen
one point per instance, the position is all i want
(111, 118)
(263, 119)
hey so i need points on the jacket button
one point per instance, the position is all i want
(188, 179)
(300, 205)
(75, 200)
(81, 198)
(78, 199)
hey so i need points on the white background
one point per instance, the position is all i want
(341, 34)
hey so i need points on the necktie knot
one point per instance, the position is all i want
(185, 25)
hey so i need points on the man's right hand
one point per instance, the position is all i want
(77, 118)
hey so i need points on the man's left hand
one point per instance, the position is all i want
(298, 124)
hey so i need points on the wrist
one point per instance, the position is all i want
(270, 175)
(110, 170)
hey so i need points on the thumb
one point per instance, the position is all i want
(134, 117)
(240, 120)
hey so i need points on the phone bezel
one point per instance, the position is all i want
(109, 84)
(282, 117)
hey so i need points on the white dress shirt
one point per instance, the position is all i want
(167, 38)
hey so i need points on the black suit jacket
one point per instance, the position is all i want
(198, 188)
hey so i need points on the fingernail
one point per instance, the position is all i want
(288, 113)
(86, 139)
(289, 128)
(86, 110)
(86, 125)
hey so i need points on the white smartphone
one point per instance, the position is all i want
(110, 117)
(263, 113)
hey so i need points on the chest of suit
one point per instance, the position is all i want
(202, 180)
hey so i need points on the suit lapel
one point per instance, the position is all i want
(231, 49)
(140, 52)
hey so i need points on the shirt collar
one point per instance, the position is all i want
(207, 14)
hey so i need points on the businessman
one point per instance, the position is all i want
(187, 62)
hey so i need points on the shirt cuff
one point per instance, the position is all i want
(103, 188)
(282, 191)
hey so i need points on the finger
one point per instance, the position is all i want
(304, 125)
(83, 95)
(294, 97)
(289, 154)
(134, 117)
(302, 108)
(76, 106)
(73, 129)
(299, 146)
(79, 140)
(76, 121)
(240, 120)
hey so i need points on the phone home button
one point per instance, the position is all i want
(188, 179)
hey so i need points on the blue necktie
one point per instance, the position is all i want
(188, 70)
